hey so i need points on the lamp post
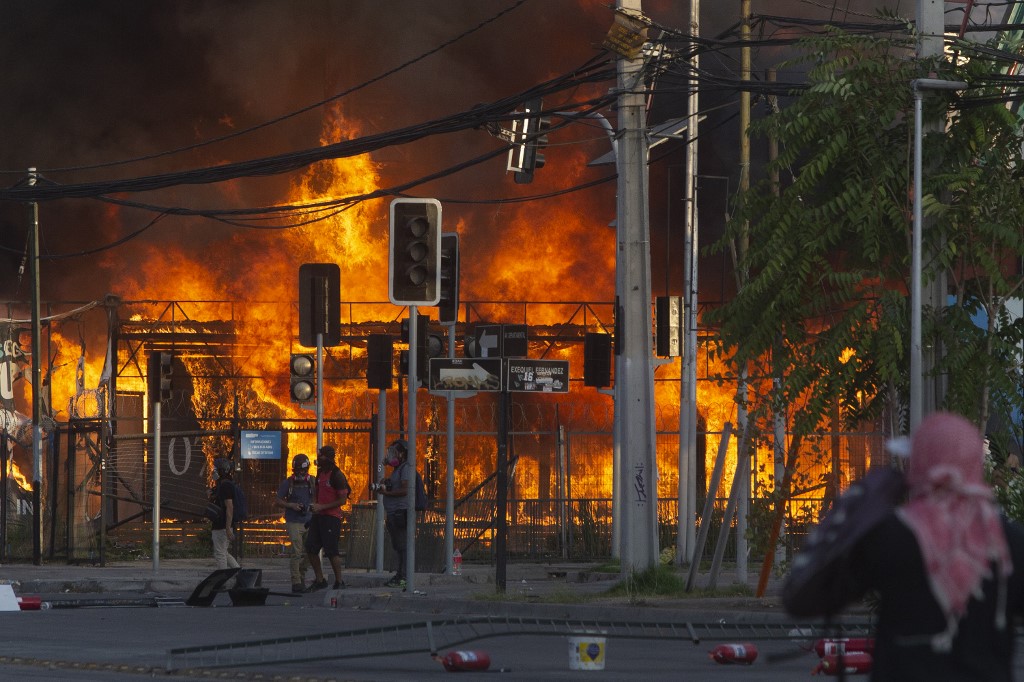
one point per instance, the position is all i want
(918, 86)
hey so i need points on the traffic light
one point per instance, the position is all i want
(414, 252)
(668, 326)
(532, 137)
(303, 377)
(448, 306)
(597, 360)
(158, 376)
(379, 352)
(319, 304)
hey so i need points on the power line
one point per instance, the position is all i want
(292, 114)
(594, 71)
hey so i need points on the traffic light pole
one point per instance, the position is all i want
(156, 485)
(410, 490)
(319, 391)
(501, 480)
(382, 412)
(449, 505)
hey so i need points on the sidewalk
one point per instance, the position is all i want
(551, 590)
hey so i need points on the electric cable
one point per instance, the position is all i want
(292, 114)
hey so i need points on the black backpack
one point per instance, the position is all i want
(215, 512)
(241, 511)
(422, 501)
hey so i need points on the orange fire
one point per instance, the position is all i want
(543, 257)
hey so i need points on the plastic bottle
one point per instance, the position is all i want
(456, 562)
(458, 661)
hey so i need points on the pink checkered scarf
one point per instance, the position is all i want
(953, 516)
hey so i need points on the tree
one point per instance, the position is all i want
(824, 310)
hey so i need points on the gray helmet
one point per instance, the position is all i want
(300, 463)
(222, 466)
(401, 446)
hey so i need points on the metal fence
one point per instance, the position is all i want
(97, 496)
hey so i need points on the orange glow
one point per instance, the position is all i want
(15, 473)
(560, 251)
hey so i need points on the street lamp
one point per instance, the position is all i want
(919, 85)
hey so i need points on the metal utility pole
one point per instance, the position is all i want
(686, 532)
(743, 488)
(410, 497)
(449, 482)
(930, 29)
(37, 386)
(634, 377)
(919, 404)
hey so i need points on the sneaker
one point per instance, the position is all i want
(396, 582)
(339, 585)
(298, 588)
(317, 585)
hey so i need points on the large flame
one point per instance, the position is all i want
(545, 257)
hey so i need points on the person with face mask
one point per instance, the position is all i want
(332, 491)
(396, 505)
(222, 531)
(295, 496)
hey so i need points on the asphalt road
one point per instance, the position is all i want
(378, 633)
(133, 643)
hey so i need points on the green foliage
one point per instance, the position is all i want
(657, 580)
(824, 306)
(665, 581)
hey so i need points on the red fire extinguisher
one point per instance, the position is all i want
(825, 647)
(853, 662)
(461, 661)
(743, 654)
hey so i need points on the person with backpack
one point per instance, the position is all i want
(222, 497)
(295, 496)
(331, 493)
(394, 490)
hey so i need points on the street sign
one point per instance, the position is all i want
(465, 374)
(537, 376)
(501, 340)
(488, 340)
(513, 341)
(260, 445)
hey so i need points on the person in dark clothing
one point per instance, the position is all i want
(331, 493)
(942, 565)
(396, 505)
(222, 532)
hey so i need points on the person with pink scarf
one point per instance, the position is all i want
(947, 567)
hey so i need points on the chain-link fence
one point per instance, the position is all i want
(98, 488)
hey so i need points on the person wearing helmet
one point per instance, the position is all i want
(396, 505)
(324, 535)
(295, 496)
(222, 532)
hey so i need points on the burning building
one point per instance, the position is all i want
(206, 267)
